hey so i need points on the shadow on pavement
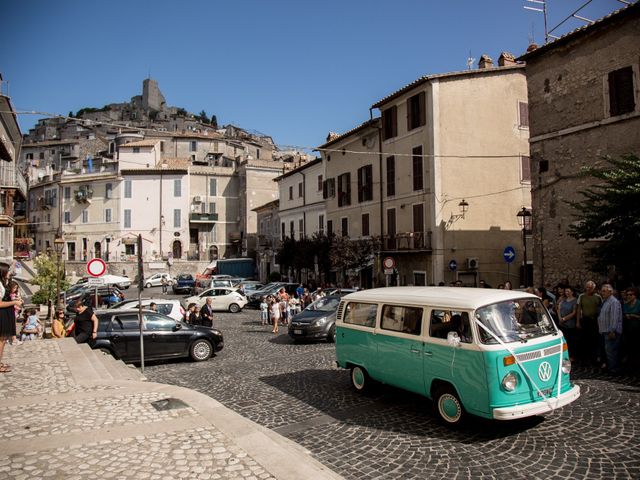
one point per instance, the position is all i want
(386, 408)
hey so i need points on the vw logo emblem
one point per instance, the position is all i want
(544, 371)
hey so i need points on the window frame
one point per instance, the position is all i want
(416, 111)
(390, 169)
(390, 122)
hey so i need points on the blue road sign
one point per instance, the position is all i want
(453, 265)
(509, 254)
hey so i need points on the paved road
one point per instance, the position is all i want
(389, 434)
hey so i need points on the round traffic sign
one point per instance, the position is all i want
(388, 262)
(96, 267)
(509, 254)
(453, 265)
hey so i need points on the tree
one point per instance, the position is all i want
(347, 254)
(214, 121)
(610, 210)
(202, 116)
(47, 269)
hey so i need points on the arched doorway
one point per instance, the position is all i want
(213, 253)
(97, 250)
(177, 249)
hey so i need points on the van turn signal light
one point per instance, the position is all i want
(510, 360)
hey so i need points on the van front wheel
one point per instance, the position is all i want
(448, 406)
(360, 379)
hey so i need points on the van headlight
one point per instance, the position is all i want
(566, 366)
(510, 381)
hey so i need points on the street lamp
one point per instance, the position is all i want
(463, 206)
(524, 220)
(58, 245)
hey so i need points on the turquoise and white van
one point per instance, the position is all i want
(491, 353)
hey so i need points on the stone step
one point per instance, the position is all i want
(95, 362)
(82, 369)
(110, 364)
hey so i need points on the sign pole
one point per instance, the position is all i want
(140, 285)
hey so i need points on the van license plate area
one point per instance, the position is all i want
(546, 392)
(297, 332)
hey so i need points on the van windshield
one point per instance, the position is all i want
(514, 321)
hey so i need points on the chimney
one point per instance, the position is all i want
(506, 59)
(332, 136)
(532, 47)
(485, 62)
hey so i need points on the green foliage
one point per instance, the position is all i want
(347, 254)
(610, 212)
(181, 112)
(275, 277)
(202, 116)
(82, 111)
(47, 270)
(214, 121)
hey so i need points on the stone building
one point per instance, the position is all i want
(269, 239)
(584, 104)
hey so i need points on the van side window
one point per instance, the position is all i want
(401, 319)
(363, 314)
(445, 321)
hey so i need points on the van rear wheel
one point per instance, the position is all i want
(360, 379)
(448, 406)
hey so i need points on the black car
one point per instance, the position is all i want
(256, 297)
(317, 321)
(164, 337)
(184, 283)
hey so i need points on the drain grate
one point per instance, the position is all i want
(169, 404)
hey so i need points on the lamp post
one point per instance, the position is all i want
(463, 206)
(524, 220)
(58, 245)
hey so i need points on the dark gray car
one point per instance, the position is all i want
(317, 321)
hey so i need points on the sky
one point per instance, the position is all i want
(294, 70)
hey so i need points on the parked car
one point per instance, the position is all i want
(224, 299)
(271, 289)
(119, 281)
(250, 286)
(107, 295)
(164, 337)
(184, 283)
(170, 308)
(317, 321)
(155, 280)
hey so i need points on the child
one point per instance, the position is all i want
(32, 327)
(264, 311)
(275, 315)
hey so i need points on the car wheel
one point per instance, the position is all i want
(448, 406)
(234, 308)
(360, 379)
(148, 285)
(331, 336)
(200, 350)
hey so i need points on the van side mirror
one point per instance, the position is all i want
(453, 339)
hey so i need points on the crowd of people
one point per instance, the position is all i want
(277, 310)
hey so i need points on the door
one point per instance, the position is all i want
(125, 337)
(401, 348)
(165, 339)
(177, 249)
(97, 250)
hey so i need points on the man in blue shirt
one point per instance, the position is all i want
(610, 327)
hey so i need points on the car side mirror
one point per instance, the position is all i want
(177, 327)
(453, 339)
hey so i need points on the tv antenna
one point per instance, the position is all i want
(470, 61)
(542, 8)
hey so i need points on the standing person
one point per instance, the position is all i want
(300, 290)
(264, 311)
(194, 318)
(631, 328)
(188, 313)
(86, 323)
(275, 315)
(507, 285)
(567, 313)
(164, 283)
(589, 303)
(7, 314)
(206, 313)
(14, 294)
(610, 327)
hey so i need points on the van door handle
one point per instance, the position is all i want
(414, 350)
(428, 353)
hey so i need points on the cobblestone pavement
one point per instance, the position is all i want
(389, 434)
(72, 413)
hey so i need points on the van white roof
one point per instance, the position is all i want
(450, 297)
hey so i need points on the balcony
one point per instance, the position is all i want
(203, 217)
(407, 241)
(10, 177)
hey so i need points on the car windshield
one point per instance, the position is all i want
(324, 304)
(514, 321)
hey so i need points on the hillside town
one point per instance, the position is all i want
(286, 274)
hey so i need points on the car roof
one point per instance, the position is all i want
(452, 297)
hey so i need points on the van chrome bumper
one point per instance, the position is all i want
(537, 408)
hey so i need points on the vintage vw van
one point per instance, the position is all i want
(491, 353)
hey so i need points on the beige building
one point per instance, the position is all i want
(440, 140)
(584, 104)
(269, 239)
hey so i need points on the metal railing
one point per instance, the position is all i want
(407, 241)
(11, 177)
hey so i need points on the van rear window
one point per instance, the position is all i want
(363, 314)
(401, 319)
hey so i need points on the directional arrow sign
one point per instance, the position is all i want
(509, 254)
(453, 265)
